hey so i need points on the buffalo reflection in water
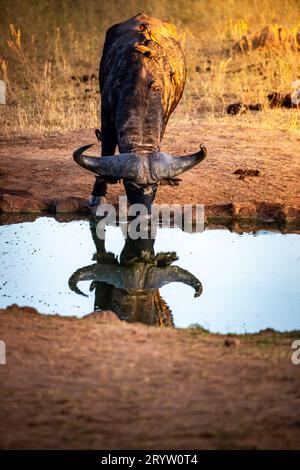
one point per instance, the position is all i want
(130, 286)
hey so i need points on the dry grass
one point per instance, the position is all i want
(50, 50)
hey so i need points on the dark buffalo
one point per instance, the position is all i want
(130, 285)
(142, 77)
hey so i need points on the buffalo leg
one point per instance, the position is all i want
(103, 291)
(108, 147)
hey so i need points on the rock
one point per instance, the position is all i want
(241, 108)
(291, 214)
(72, 204)
(236, 108)
(231, 342)
(270, 212)
(106, 316)
(270, 36)
(12, 203)
(218, 211)
(244, 210)
(279, 100)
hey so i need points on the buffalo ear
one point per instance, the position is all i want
(98, 135)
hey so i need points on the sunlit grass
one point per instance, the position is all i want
(50, 51)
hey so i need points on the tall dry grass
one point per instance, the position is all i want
(50, 50)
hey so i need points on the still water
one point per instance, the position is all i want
(223, 281)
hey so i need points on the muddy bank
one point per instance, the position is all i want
(39, 175)
(97, 384)
(234, 225)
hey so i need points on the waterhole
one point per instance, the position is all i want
(218, 279)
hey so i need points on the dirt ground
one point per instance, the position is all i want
(85, 384)
(90, 384)
(44, 168)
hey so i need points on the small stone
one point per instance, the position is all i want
(231, 342)
(72, 204)
(291, 214)
(236, 108)
(244, 210)
(12, 203)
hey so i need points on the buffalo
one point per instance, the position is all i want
(142, 78)
(130, 286)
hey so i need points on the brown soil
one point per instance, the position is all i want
(72, 383)
(44, 168)
(86, 384)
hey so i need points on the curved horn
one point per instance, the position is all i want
(122, 166)
(140, 169)
(89, 163)
(82, 274)
(164, 166)
(159, 277)
(182, 164)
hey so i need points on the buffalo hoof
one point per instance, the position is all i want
(96, 200)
